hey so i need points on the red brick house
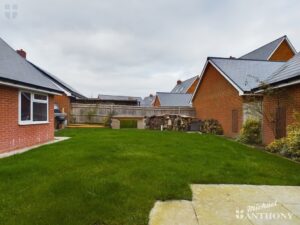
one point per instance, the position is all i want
(69, 93)
(26, 102)
(284, 100)
(172, 100)
(226, 93)
(179, 96)
(187, 86)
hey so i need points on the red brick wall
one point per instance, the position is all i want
(289, 98)
(283, 53)
(192, 88)
(64, 104)
(216, 98)
(13, 135)
(156, 102)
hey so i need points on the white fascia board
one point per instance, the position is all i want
(289, 43)
(241, 92)
(62, 89)
(24, 87)
(281, 86)
(200, 79)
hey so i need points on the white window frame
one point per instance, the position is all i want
(32, 100)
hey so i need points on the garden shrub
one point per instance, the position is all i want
(251, 132)
(277, 145)
(290, 145)
(211, 126)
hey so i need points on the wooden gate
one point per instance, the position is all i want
(235, 121)
(280, 123)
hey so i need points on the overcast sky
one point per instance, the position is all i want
(137, 47)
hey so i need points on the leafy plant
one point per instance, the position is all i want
(251, 132)
(290, 145)
(211, 126)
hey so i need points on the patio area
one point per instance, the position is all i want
(231, 205)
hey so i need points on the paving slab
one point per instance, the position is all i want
(232, 205)
(246, 204)
(173, 213)
(283, 194)
(294, 208)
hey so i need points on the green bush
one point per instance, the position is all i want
(277, 146)
(251, 132)
(128, 123)
(290, 145)
(211, 126)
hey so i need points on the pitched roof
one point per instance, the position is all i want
(16, 70)
(174, 99)
(289, 70)
(62, 85)
(266, 51)
(245, 74)
(119, 98)
(147, 101)
(184, 85)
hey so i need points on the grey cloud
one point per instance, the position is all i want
(137, 47)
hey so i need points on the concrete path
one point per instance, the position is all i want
(22, 150)
(231, 205)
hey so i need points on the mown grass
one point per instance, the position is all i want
(113, 177)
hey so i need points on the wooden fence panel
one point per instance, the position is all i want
(97, 113)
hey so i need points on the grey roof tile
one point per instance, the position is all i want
(174, 99)
(184, 86)
(60, 83)
(246, 74)
(288, 70)
(264, 52)
(147, 101)
(15, 69)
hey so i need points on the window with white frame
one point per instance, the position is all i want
(33, 108)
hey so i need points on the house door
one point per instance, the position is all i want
(280, 126)
(235, 121)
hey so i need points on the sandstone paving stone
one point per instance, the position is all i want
(232, 205)
(173, 213)
(283, 194)
(294, 208)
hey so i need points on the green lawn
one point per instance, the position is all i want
(113, 177)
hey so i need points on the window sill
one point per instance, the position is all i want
(32, 123)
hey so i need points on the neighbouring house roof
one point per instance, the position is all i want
(119, 98)
(147, 101)
(245, 75)
(174, 99)
(266, 51)
(16, 70)
(70, 91)
(287, 72)
(184, 85)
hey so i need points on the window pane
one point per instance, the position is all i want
(39, 111)
(40, 97)
(25, 106)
